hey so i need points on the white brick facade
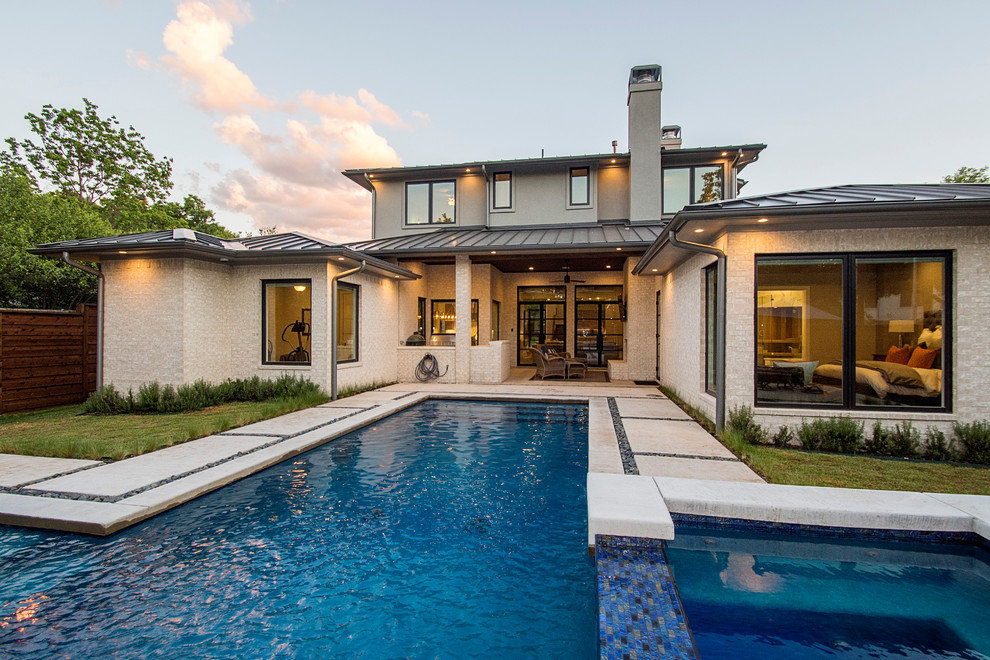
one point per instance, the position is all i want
(682, 292)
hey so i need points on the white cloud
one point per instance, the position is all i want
(196, 41)
(294, 179)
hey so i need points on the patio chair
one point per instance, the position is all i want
(549, 366)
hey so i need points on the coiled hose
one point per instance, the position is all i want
(428, 369)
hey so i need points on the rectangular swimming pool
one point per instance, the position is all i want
(452, 529)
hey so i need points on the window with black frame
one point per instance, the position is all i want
(431, 202)
(286, 310)
(347, 322)
(853, 330)
(690, 185)
(445, 318)
(711, 319)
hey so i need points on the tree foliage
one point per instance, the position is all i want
(968, 175)
(81, 176)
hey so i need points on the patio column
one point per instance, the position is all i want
(462, 311)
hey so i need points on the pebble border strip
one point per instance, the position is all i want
(639, 612)
(625, 451)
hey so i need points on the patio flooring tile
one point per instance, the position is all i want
(660, 408)
(295, 422)
(116, 479)
(696, 468)
(668, 437)
(16, 470)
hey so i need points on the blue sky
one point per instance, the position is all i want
(262, 103)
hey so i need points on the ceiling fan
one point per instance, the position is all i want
(567, 276)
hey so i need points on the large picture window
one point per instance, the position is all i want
(853, 330)
(690, 185)
(347, 322)
(431, 202)
(286, 307)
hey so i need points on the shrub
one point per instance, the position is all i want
(833, 434)
(905, 440)
(878, 444)
(107, 400)
(974, 441)
(936, 447)
(156, 398)
(784, 437)
(742, 422)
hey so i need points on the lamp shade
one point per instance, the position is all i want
(906, 325)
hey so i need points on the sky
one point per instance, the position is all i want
(263, 103)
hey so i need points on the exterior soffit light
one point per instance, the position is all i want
(654, 270)
(619, 249)
(531, 268)
(121, 251)
(607, 266)
(493, 251)
(698, 231)
(725, 153)
(763, 220)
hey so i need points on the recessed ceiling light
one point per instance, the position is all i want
(340, 258)
(698, 231)
(619, 249)
(121, 251)
(531, 268)
(371, 176)
(654, 270)
(725, 153)
(763, 220)
(493, 251)
(468, 169)
(613, 160)
(607, 266)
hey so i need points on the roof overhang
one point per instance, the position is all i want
(706, 226)
(233, 253)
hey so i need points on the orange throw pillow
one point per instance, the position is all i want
(922, 358)
(899, 355)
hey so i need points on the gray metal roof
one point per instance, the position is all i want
(674, 156)
(834, 207)
(872, 195)
(515, 240)
(291, 246)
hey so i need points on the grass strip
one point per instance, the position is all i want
(66, 432)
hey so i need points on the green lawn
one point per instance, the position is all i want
(68, 433)
(805, 468)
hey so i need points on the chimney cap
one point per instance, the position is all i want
(644, 73)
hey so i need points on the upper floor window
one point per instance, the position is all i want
(580, 188)
(431, 202)
(502, 192)
(690, 185)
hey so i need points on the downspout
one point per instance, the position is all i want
(99, 313)
(488, 203)
(719, 322)
(374, 197)
(333, 324)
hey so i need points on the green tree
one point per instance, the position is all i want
(968, 175)
(100, 180)
(80, 153)
(28, 218)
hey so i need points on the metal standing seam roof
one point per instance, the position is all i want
(516, 240)
(876, 196)
(189, 242)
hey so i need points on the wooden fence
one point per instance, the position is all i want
(47, 358)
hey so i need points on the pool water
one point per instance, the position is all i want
(749, 595)
(451, 529)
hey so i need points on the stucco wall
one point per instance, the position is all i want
(683, 318)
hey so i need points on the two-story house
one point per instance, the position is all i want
(515, 253)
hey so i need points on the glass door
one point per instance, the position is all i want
(599, 324)
(541, 319)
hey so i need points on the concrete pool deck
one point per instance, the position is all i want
(647, 460)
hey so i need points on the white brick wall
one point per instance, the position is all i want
(176, 321)
(683, 316)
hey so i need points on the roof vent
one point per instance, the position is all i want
(183, 234)
(670, 137)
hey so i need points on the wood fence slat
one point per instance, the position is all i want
(46, 358)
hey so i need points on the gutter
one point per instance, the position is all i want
(719, 323)
(99, 313)
(333, 324)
